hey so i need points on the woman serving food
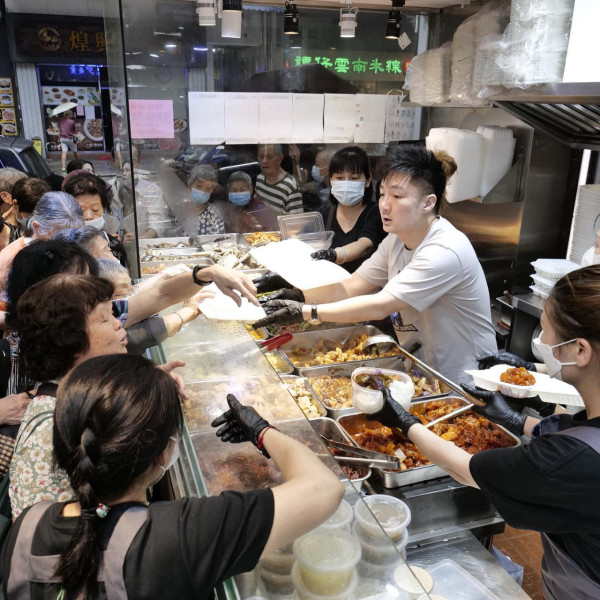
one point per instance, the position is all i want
(425, 273)
(550, 485)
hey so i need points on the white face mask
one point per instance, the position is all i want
(174, 456)
(552, 363)
(22, 221)
(348, 193)
(98, 222)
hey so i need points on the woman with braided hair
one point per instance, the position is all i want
(116, 428)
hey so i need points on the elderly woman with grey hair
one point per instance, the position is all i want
(54, 212)
(202, 218)
(90, 239)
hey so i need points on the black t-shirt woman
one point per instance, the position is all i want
(354, 220)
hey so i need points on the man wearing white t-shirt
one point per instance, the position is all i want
(425, 274)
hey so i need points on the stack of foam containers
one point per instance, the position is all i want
(499, 148)
(428, 76)
(547, 272)
(467, 149)
(536, 42)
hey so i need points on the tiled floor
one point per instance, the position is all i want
(524, 548)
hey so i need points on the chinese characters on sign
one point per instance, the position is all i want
(345, 65)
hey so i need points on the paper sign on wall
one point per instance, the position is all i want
(241, 118)
(339, 118)
(151, 118)
(308, 118)
(207, 117)
(275, 118)
(401, 122)
(370, 118)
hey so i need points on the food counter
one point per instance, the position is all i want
(222, 357)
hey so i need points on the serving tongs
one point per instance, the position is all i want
(450, 415)
(275, 342)
(366, 458)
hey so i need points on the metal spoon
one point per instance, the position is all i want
(384, 343)
(450, 415)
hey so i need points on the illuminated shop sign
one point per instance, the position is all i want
(342, 64)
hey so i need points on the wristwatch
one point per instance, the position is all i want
(314, 315)
(195, 277)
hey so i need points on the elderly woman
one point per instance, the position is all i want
(201, 217)
(54, 212)
(91, 240)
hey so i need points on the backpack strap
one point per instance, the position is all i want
(330, 216)
(21, 561)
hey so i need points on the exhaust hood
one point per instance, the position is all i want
(567, 112)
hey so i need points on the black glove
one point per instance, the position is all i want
(281, 312)
(497, 409)
(329, 255)
(393, 415)
(294, 294)
(545, 409)
(269, 282)
(240, 423)
(504, 358)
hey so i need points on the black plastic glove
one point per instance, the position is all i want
(294, 294)
(269, 282)
(329, 255)
(281, 312)
(504, 358)
(240, 423)
(393, 415)
(497, 409)
(545, 409)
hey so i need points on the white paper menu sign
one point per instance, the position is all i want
(275, 118)
(241, 118)
(401, 122)
(207, 117)
(307, 118)
(370, 118)
(339, 118)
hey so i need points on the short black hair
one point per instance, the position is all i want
(353, 159)
(88, 183)
(28, 191)
(38, 261)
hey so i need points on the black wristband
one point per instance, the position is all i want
(195, 277)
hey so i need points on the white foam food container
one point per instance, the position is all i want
(543, 283)
(540, 292)
(554, 268)
(223, 308)
(546, 387)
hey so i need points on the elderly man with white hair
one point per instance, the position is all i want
(274, 186)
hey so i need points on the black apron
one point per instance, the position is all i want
(562, 577)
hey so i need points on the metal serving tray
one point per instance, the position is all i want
(332, 430)
(311, 338)
(147, 242)
(289, 368)
(202, 261)
(344, 370)
(209, 241)
(320, 408)
(180, 252)
(393, 479)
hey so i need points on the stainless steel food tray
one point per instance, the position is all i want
(202, 261)
(204, 240)
(331, 429)
(290, 367)
(180, 252)
(293, 378)
(311, 338)
(393, 479)
(153, 242)
(344, 370)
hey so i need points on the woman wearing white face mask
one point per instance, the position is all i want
(202, 219)
(354, 220)
(550, 485)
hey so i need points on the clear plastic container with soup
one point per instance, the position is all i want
(341, 518)
(368, 400)
(381, 511)
(380, 551)
(279, 561)
(326, 559)
(302, 592)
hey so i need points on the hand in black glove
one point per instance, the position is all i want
(269, 282)
(281, 312)
(497, 409)
(240, 423)
(504, 358)
(393, 415)
(329, 255)
(294, 294)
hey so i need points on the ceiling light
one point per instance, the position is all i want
(207, 11)
(153, 55)
(231, 23)
(171, 45)
(290, 18)
(392, 30)
(200, 49)
(348, 21)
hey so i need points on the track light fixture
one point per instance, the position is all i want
(290, 18)
(392, 31)
(231, 22)
(207, 13)
(348, 21)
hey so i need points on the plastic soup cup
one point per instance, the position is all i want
(391, 514)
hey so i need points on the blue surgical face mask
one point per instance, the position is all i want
(239, 198)
(316, 174)
(347, 192)
(22, 221)
(199, 197)
(98, 222)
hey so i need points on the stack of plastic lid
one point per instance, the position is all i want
(547, 272)
(499, 147)
(276, 572)
(428, 76)
(467, 149)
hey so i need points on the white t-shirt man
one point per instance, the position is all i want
(444, 284)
